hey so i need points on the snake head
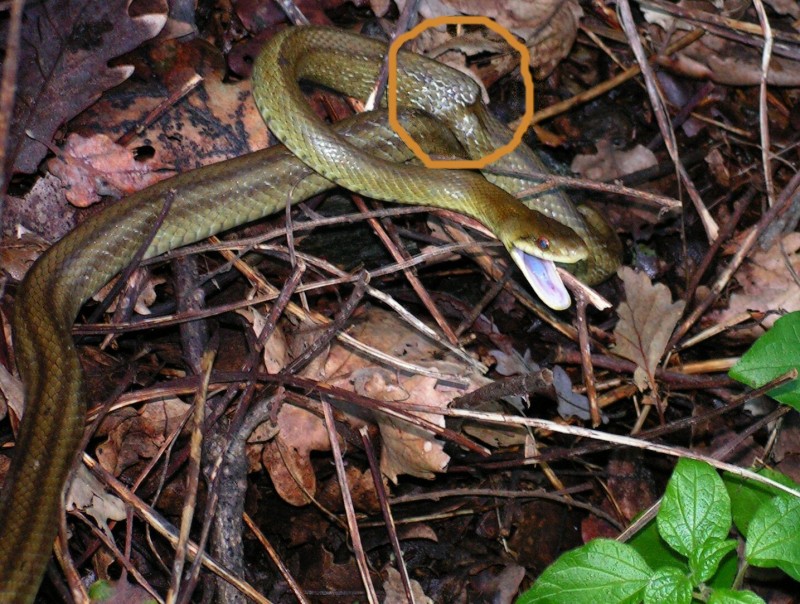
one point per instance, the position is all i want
(536, 248)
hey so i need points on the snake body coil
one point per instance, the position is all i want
(224, 195)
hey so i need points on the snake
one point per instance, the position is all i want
(440, 108)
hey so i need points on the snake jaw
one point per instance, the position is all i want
(543, 278)
(536, 244)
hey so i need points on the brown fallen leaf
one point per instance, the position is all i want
(64, 67)
(257, 15)
(548, 27)
(122, 591)
(87, 493)
(407, 449)
(276, 350)
(498, 585)
(324, 574)
(214, 120)
(361, 488)
(396, 593)
(766, 284)
(786, 7)
(144, 282)
(610, 163)
(132, 435)
(94, 166)
(255, 444)
(44, 210)
(646, 320)
(17, 255)
(719, 168)
(716, 58)
(287, 457)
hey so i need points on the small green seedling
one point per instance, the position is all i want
(772, 355)
(687, 554)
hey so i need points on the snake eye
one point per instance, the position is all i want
(543, 243)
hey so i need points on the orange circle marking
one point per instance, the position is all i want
(525, 121)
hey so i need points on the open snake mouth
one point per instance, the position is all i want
(543, 278)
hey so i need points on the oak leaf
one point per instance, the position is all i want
(93, 166)
(646, 321)
(65, 49)
(767, 284)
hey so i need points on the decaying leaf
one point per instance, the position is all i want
(11, 395)
(766, 283)
(396, 593)
(407, 449)
(94, 166)
(713, 57)
(133, 435)
(287, 457)
(570, 403)
(361, 488)
(646, 321)
(257, 15)
(44, 210)
(65, 50)
(548, 27)
(144, 282)
(717, 165)
(276, 350)
(498, 585)
(214, 120)
(17, 255)
(119, 590)
(610, 163)
(88, 494)
(786, 7)
(263, 433)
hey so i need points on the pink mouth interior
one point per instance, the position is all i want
(544, 279)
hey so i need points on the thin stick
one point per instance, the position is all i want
(388, 518)
(785, 200)
(166, 530)
(763, 116)
(352, 523)
(662, 117)
(603, 87)
(276, 560)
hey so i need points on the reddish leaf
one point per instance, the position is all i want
(95, 166)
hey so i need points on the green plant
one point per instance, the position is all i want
(772, 355)
(686, 554)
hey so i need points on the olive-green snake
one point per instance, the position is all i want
(224, 195)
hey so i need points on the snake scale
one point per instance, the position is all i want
(441, 108)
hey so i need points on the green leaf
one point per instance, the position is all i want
(793, 570)
(655, 551)
(747, 496)
(774, 535)
(730, 596)
(705, 560)
(773, 354)
(603, 570)
(668, 585)
(695, 509)
(100, 591)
